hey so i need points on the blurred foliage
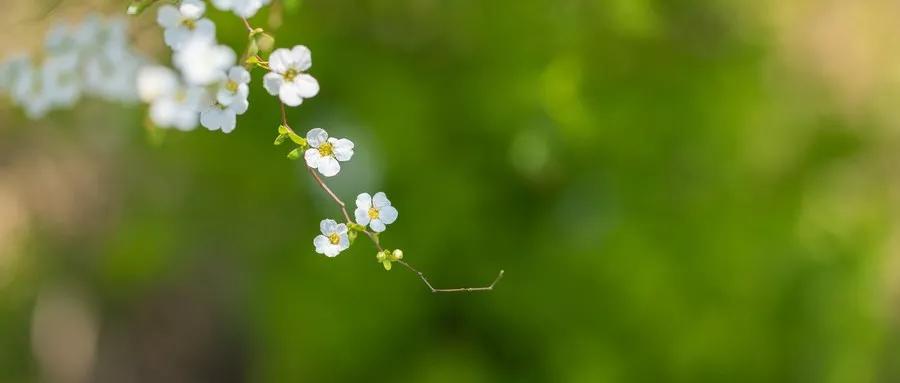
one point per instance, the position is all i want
(669, 202)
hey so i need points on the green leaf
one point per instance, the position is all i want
(294, 154)
(297, 139)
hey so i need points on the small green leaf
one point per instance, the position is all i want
(297, 139)
(294, 154)
(280, 139)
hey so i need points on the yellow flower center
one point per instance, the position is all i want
(326, 149)
(231, 86)
(290, 74)
(334, 238)
(373, 213)
(189, 24)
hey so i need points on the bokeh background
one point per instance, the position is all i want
(690, 191)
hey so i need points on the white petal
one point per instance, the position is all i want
(343, 148)
(289, 95)
(362, 216)
(344, 242)
(332, 250)
(302, 57)
(387, 214)
(316, 137)
(168, 16)
(279, 60)
(329, 166)
(320, 242)
(380, 200)
(239, 75)
(364, 201)
(312, 157)
(204, 29)
(176, 37)
(341, 228)
(272, 82)
(155, 81)
(377, 226)
(211, 117)
(306, 85)
(222, 5)
(328, 226)
(228, 121)
(192, 9)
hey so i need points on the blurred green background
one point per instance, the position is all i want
(689, 191)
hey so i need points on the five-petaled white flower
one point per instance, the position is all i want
(333, 239)
(374, 211)
(231, 100)
(202, 61)
(288, 79)
(324, 152)
(243, 8)
(185, 23)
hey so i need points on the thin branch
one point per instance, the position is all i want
(247, 24)
(371, 235)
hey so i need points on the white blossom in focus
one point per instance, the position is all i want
(374, 211)
(184, 23)
(242, 8)
(288, 79)
(202, 61)
(221, 112)
(325, 152)
(333, 239)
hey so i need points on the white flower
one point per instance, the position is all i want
(243, 8)
(61, 80)
(234, 87)
(374, 211)
(231, 100)
(202, 61)
(11, 70)
(333, 239)
(172, 105)
(324, 152)
(287, 79)
(185, 23)
(30, 92)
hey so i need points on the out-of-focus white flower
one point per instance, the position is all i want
(172, 105)
(333, 239)
(11, 70)
(203, 61)
(30, 92)
(243, 8)
(62, 80)
(185, 23)
(374, 211)
(113, 82)
(288, 79)
(324, 152)
(231, 100)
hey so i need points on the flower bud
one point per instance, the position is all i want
(398, 254)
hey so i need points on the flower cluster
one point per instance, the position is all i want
(209, 88)
(92, 58)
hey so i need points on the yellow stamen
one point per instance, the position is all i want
(231, 86)
(290, 74)
(334, 238)
(326, 149)
(373, 213)
(189, 24)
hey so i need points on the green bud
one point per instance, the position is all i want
(264, 42)
(294, 154)
(387, 265)
(252, 60)
(381, 256)
(398, 254)
(352, 236)
(252, 49)
(280, 139)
